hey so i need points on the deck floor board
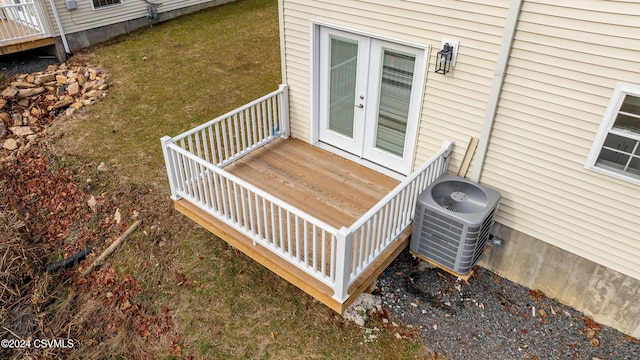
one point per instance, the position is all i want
(324, 185)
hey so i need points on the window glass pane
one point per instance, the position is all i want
(620, 143)
(627, 123)
(342, 84)
(395, 95)
(101, 3)
(630, 105)
(612, 159)
(634, 166)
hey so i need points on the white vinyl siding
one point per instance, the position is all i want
(565, 63)
(477, 25)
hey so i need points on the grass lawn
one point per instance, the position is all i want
(163, 81)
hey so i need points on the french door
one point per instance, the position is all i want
(369, 96)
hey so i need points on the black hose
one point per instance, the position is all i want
(71, 260)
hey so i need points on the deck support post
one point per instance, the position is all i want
(171, 172)
(284, 111)
(343, 264)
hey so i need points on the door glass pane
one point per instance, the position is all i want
(342, 84)
(395, 95)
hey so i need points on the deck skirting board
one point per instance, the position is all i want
(287, 271)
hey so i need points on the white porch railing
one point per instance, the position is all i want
(195, 163)
(21, 21)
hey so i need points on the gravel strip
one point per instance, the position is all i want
(492, 318)
(25, 62)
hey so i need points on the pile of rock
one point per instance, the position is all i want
(33, 101)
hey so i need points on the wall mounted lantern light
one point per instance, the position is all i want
(447, 56)
(443, 65)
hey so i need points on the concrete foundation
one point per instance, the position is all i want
(607, 296)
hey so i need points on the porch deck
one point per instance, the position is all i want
(323, 223)
(325, 186)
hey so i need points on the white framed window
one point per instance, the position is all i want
(616, 148)
(99, 4)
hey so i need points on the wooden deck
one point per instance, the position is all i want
(23, 43)
(326, 186)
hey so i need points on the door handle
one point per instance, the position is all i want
(359, 106)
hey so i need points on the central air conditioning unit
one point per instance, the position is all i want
(452, 222)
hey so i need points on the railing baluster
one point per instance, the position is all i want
(332, 269)
(266, 219)
(205, 185)
(254, 131)
(258, 213)
(314, 238)
(198, 149)
(280, 230)
(238, 211)
(360, 236)
(205, 144)
(289, 249)
(306, 243)
(225, 139)
(252, 225)
(235, 137)
(270, 119)
(323, 259)
(298, 239)
(189, 182)
(219, 154)
(243, 135)
(273, 226)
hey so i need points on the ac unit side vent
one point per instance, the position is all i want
(453, 220)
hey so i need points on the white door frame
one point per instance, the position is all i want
(412, 127)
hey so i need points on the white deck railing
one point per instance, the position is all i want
(370, 235)
(195, 161)
(21, 21)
